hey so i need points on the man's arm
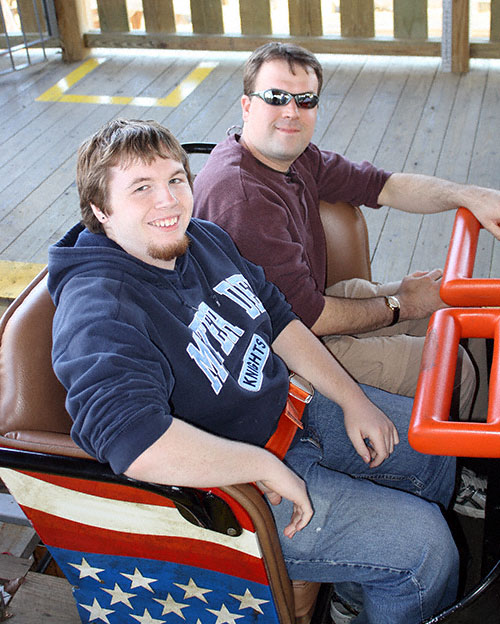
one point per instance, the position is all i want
(425, 195)
(419, 293)
(307, 356)
(418, 296)
(187, 456)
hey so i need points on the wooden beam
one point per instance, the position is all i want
(460, 36)
(28, 14)
(206, 16)
(495, 21)
(319, 45)
(113, 15)
(255, 17)
(159, 16)
(43, 598)
(305, 18)
(410, 19)
(357, 18)
(71, 22)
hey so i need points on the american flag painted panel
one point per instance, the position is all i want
(143, 562)
(117, 589)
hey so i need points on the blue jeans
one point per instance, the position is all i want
(379, 530)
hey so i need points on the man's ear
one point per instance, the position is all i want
(245, 106)
(98, 213)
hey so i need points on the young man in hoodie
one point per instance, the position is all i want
(171, 346)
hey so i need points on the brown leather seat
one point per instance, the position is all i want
(33, 417)
(347, 243)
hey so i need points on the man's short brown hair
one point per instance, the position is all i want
(292, 54)
(120, 142)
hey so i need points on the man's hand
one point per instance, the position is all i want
(372, 434)
(484, 204)
(419, 294)
(293, 489)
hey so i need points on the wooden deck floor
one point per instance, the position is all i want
(404, 114)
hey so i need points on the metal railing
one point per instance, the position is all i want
(25, 24)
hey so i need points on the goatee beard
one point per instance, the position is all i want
(169, 252)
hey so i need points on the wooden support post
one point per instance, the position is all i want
(455, 46)
(460, 37)
(113, 16)
(206, 16)
(410, 19)
(357, 18)
(495, 21)
(30, 23)
(71, 22)
(159, 16)
(255, 17)
(305, 18)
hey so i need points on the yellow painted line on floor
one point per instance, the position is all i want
(15, 276)
(54, 93)
(57, 93)
(188, 85)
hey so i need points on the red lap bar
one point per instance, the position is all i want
(430, 428)
(459, 288)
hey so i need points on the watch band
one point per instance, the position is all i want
(393, 304)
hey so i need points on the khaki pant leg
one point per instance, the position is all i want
(389, 358)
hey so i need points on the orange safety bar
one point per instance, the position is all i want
(430, 429)
(458, 287)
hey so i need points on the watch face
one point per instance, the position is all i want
(393, 302)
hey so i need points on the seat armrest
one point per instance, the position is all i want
(49, 442)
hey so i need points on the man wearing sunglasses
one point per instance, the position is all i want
(264, 189)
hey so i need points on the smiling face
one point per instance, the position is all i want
(277, 135)
(149, 209)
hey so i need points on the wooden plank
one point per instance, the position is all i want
(305, 18)
(220, 111)
(240, 43)
(48, 159)
(255, 17)
(485, 161)
(410, 19)
(453, 163)
(28, 15)
(392, 155)
(460, 36)
(49, 197)
(71, 21)
(42, 599)
(495, 21)
(113, 15)
(159, 16)
(12, 567)
(357, 18)
(353, 107)
(206, 16)
(18, 540)
(14, 277)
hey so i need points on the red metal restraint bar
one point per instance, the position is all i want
(430, 428)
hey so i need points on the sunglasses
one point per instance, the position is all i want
(278, 97)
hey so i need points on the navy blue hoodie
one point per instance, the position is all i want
(134, 344)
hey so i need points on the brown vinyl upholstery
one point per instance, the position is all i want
(32, 412)
(347, 244)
